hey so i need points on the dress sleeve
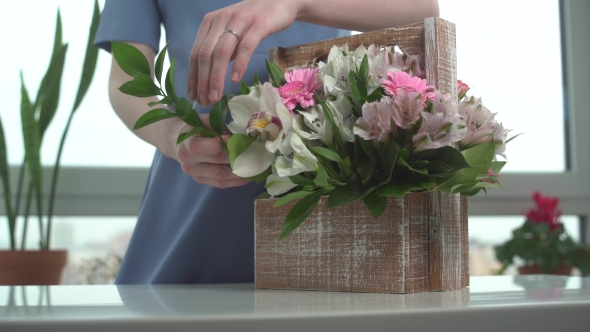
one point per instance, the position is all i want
(129, 20)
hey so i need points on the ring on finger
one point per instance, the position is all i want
(233, 33)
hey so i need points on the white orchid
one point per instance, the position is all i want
(260, 114)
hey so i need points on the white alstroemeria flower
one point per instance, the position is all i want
(296, 158)
(447, 105)
(434, 132)
(343, 117)
(264, 117)
(335, 72)
(276, 185)
(479, 120)
(315, 120)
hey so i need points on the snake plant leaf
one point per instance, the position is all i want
(51, 91)
(5, 176)
(32, 141)
(90, 59)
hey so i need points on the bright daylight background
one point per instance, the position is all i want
(504, 54)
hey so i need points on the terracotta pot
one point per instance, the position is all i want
(42, 267)
(562, 270)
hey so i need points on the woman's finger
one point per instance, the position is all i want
(221, 183)
(193, 70)
(206, 54)
(245, 49)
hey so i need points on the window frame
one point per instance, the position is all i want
(100, 191)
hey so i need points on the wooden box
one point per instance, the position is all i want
(419, 244)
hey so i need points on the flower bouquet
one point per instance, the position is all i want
(363, 125)
(543, 242)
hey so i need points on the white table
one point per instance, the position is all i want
(503, 303)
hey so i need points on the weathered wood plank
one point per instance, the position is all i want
(464, 242)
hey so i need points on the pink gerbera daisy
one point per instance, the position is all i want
(400, 80)
(301, 83)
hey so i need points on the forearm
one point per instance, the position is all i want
(366, 15)
(129, 109)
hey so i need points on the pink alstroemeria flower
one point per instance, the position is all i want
(462, 89)
(301, 83)
(399, 80)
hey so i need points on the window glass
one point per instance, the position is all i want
(95, 245)
(487, 231)
(97, 137)
(512, 59)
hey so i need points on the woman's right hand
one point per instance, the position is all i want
(203, 158)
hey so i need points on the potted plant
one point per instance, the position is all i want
(19, 265)
(543, 243)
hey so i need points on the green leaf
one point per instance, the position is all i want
(154, 116)
(141, 86)
(260, 177)
(192, 118)
(446, 159)
(301, 180)
(479, 158)
(365, 169)
(397, 190)
(90, 59)
(390, 156)
(376, 204)
(291, 197)
(130, 59)
(195, 131)
(183, 106)
(375, 95)
(237, 144)
(217, 115)
(51, 90)
(359, 89)
(327, 153)
(32, 141)
(511, 138)
(277, 76)
(321, 179)
(299, 212)
(366, 147)
(160, 64)
(345, 194)
(5, 175)
(256, 80)
(333, 127)
(244, 89)
(363, 73)
(402, 162)
(497, 166)
(170, 80)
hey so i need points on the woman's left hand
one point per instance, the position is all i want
(215, 46)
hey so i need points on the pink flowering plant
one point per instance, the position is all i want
(363, 125)
(543, 241)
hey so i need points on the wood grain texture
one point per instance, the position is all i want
(409, 38)
(345, 249)
(464, 242)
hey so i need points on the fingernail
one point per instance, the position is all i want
(234, 76)
(213, 94)
(202, 100)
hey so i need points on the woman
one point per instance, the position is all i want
(196, 220)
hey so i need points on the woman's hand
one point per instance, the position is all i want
(252, 20)
(203, 158)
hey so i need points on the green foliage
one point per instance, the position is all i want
(277, 77)
(300, 211)
(36, 116)
(217, 116)
(548, 249)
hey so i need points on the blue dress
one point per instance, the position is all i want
(188, 232)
